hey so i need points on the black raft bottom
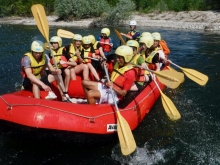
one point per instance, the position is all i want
(24, 133)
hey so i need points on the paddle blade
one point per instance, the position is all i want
(125, 136)
(169, 78)
(170, 68)
(41, 20)
(120, 37)
(166, 75)
(64, 33)
(196, 76)
(170, 108)
(46, 46)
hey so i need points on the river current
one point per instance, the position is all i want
(192, 140)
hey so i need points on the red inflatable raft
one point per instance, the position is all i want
(21, 108)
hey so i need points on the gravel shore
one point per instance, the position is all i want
(200, 20)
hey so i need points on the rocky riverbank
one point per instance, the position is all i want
(201, 20)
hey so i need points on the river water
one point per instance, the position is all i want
(192, 140)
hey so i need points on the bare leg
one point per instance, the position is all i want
(61, 89)
(82, 68)
(67, 79)
(72, 73)
(36, 91)
(91, 91)
(92, 69)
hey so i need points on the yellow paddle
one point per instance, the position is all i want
(168, 105)
(64, 33)
(126, 139)
(175, 71)
(42, 24)
(169, 78)
(120, 37)
(170, 75)
(194, 75)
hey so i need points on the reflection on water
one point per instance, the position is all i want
(194, 139)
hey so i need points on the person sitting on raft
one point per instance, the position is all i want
(142, 76)
(88, 54)
(57, 51)
(105, 41)
(150, 53)
(122, 79)
(158, 42)
(73, 54)
(33, 71)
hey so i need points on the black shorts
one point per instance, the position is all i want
(28, 85)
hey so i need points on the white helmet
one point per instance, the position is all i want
(56, 39)
(156, 36)
(134, 23)
(37, 46)
(77, 37)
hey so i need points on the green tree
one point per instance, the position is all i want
(69, 9)
(120, 12)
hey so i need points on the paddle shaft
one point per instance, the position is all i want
(106, 72)
(161, 75)
(169, 106)
(186, 71)
(120, 37)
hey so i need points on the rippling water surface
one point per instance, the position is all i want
(192, 140)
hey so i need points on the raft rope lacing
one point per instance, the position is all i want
(83, 116)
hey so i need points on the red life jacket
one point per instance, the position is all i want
(117, 76)
(105, 44)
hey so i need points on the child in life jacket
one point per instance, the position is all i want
(142, 75)
(75, 62)
(57, 51)
(150, 53)
(105, 41)
(88, 54)
(158, 42)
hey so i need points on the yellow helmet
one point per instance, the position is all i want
(86, 40)
(92, 39)
(145, 34)
(77, 37)
(156, 36)
(56, 39)
(125, 51)
(106, 31)
(37, 46)
(147, 40)
(132, 43)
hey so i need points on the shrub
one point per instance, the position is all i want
(120, 12)
(68, 9)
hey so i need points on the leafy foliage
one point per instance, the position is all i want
(23, 7)
(110, 9)
(171, 5)
(120, 12)
(68, 9)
